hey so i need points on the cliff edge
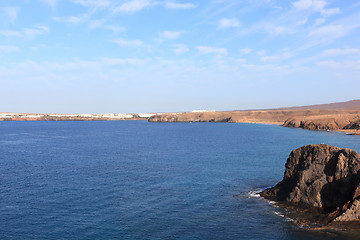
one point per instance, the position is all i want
(324, 178)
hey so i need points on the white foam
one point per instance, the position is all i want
(279, 214)
(254, 194)
(287, 219)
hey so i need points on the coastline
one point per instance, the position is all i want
(346, 121)
(339, 121)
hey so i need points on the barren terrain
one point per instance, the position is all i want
(343, 116)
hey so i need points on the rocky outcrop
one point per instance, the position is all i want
(322, 177)
(355, 124)
(316, 124)
(324, 122)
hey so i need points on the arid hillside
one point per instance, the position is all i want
(343, 116)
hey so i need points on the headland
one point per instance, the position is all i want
(340, 116)
(344, 116)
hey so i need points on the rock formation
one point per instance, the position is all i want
(338, 120)
(353, 125)
(327, 122)
(322, 177)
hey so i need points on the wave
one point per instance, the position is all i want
(256, 194)
(282, 215)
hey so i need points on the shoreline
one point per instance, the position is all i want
(346, 121)
(350, 132)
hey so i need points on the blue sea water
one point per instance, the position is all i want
(140, 180)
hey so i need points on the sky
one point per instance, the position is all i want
(128, 56)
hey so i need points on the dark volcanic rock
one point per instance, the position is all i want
(323, 123)
(316, 124)
(353, 125)
(322, 177)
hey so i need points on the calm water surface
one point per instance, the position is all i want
(140, 180)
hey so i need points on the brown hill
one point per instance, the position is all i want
(353, 104)
(344, 116)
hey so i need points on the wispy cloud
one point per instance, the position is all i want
(132, 6)
(114, 28)
(36, 31)
(343, 66)
(341, 51)
(245, 50)
(26, 32)
(10, 33)
(95, 4)
(315, 5)
(180, 48)
(11, 13)
(168, 35)
(73, 19)
(128, 43)
(329, 31)
(211, 50)
(8, 49)
(122, 61)
(175, 5)
(282, 55)
(229, 23)
(51, 3)
(96, 23)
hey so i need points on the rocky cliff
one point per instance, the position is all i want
(338, 120)
(322, 177)
(252, 116)
(325, 122)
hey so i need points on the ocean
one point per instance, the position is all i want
(140, 180)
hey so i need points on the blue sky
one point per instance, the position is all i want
(99, 56)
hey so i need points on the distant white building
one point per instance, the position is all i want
(146, 115)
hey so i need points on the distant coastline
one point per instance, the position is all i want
(73, 117)
(341, 116)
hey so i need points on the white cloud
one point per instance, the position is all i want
(274, 58)
(245, 50)
(340, 52)
(332, 11)
(26, 32)
(122, 61)
(180, 48)
(97, 23)
(175, 5)
(11, 13)
(33, 32)
(8, 49)
(10, 33)
(132, 6)
(168, 35)
(330, 31)
(307, 4)
(96, 4)
(51, 3)
(319, 21)
(211, 50)
(229, 23)
(114, 28)
(128, 43)
(315, 5)
(72, 19)
(343, 66)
